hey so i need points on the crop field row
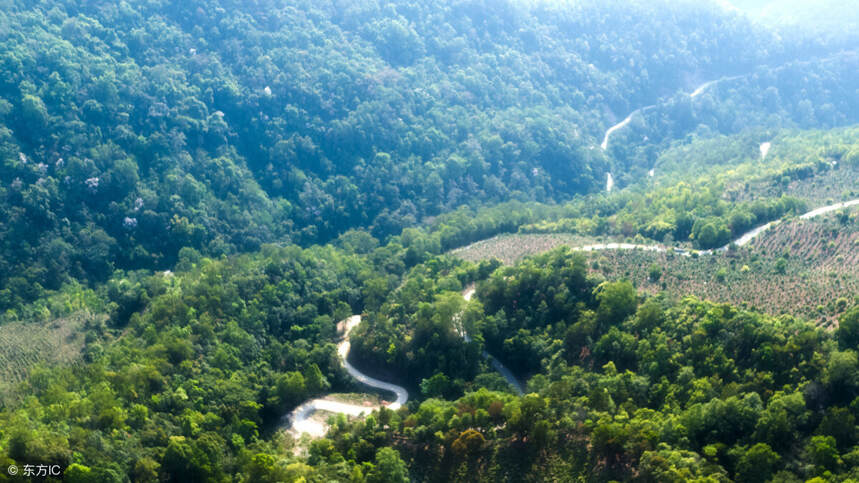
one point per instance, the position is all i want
(823, 245)
(741, 280)
(24, 345)
(833, 185)
(511, 248)
(805, 268)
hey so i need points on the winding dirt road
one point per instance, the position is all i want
(703, 88)
(828, 209)
(620, 125)
(300, 419)
(496, 364)
(740, 241)
(695, 93)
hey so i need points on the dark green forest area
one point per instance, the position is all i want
(133, 130)
(193, 195)
(623, 387)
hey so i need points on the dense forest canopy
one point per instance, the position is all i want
(823, 17)
(626, 388)
(194, 194)
(132, 130)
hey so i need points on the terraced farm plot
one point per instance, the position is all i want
(512, 248)
(744, 278)
(836, 184)
(24, 345)
(806, 268)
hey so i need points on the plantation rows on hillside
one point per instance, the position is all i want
(806, 268)
(514, 247)
(620, 387)
(23, 346)
(130, 132)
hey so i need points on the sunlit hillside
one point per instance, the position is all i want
(390, 241)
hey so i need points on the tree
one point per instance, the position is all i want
(77, 473)
(34, 113)
(654, 273)
(183, 462)
(757, 464)
(374, 291)
(468, 443)
(314, 381)
(649, 315)
(671, 465)
(711, 234)
(823, 453)
(848, 330)
(617, 301)
(436, 386)
(778, 424)
(616, 346)
(264, 467)
(841, 375)
(396, 41)
(388, 468)
(839, 423)
(290, 389)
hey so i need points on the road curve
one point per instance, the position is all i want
(299, 419)
(828, 209)
(742, 240)
(467, 294)
(750, 235)
(703, 87)
(700, 90)
(614, 128)
(697, 92)
(343, 350)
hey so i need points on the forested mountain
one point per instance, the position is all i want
(627, 390)
(827, 17)
(132, 130)
(818, 93)
(229, 229)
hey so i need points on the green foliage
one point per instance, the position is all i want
(848, 329)
(149, 136)
(757, 464)
(654, 273)
(131, 133)
(415, 335)
(388, 468)
(208, 362)
(670, 390)
(617, 301)
(663, 390)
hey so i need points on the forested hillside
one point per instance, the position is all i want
(219, 218)
(625, 388)
(824, 17)
(807, 94)
(132, 130)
